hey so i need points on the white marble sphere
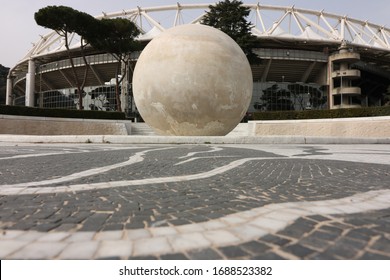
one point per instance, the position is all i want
(192, 80)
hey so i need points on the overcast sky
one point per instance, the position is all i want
(18, 29)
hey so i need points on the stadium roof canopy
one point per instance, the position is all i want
(277, 26)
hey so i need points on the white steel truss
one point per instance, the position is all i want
(271, 22)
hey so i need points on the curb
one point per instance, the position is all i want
(128, 139)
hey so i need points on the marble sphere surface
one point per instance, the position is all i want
(192, 80)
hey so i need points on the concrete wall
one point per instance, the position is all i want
(348, 127)
(62, 126)
(373, 127)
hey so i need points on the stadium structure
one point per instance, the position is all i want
(308, 60)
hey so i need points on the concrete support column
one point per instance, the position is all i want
(30, 83)
(330, 83)
(8, 97)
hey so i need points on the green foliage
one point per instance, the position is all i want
(64, 20)
(276, 99)
(323, 114)
(3, 72)
(386, 97)
(231, 18)
(3, 83)
(59, 113)
(54, 17)
(115, 36)
(317, 98)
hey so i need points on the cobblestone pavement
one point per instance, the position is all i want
(194, 201)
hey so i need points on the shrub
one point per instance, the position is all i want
(59, 113)
(323, 114)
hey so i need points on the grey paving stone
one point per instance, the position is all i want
(113, 227)
(197, 219)
(382, 227)
(255, 247)
(314, 242)
(45, 227)
(359, 234)
(268, 256)
(66, 227)
(109, 258)
(298, 228)
(135, 225)
(177, 256)
(233, 252)
(178, 222)
(276, 240)
(42, 215)
(204, 254)
(21, 226)
(213, 215)
(325, 235)
(359, 221)
(342, 251)
(298, 250)
(324, 256)
(78, 217)
(382, 244)
(351, 243)
(340, 225)
(143, 258)
(374, 256)
(331, 229)
(118, 219)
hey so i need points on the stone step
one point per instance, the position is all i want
(141, 129)
(242, 129)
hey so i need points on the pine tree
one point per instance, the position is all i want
(116, 36)
(66, 20)
(231, 18)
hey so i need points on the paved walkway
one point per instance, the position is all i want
(106, 201)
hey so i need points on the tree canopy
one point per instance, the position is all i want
(3, 80)
(277, 99)
(115, 36)
(64, 20)
(230, 16)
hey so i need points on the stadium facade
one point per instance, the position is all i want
(308, 60)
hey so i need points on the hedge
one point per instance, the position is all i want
(268, 115)
(60, 113)
(323, 114)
